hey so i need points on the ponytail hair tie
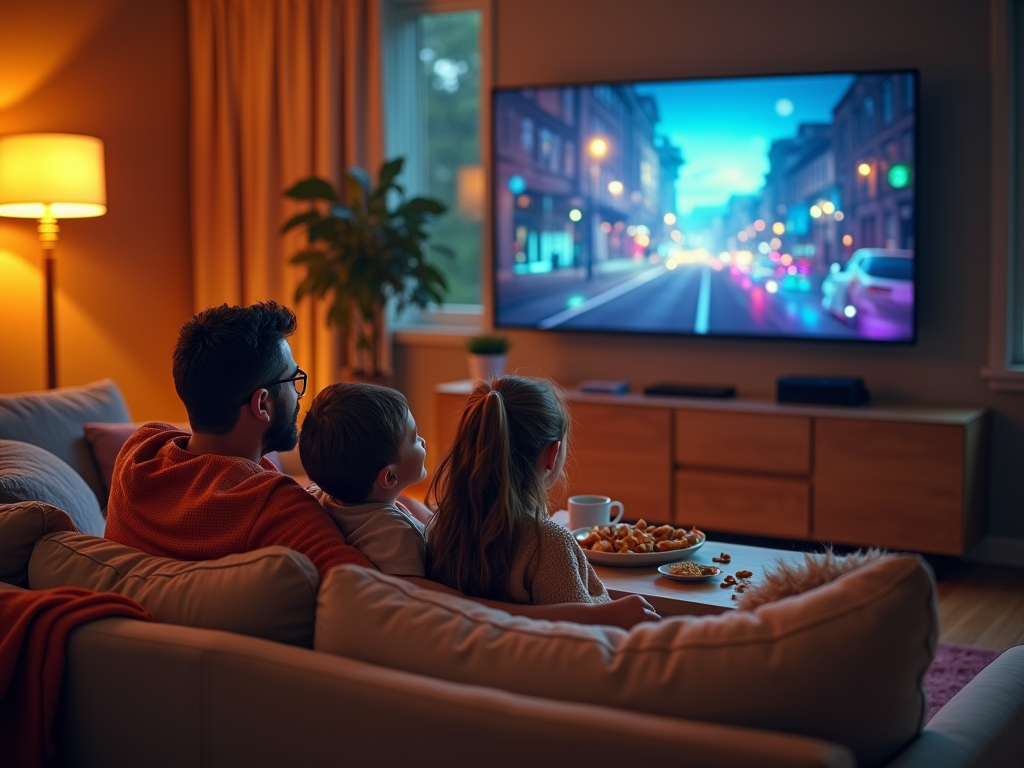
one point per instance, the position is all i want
(496, 392)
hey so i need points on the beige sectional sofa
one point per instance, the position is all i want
(252, 662)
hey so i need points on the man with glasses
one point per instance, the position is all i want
(212, 493)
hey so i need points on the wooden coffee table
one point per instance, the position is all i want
(677, 598)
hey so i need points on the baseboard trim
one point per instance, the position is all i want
(998, 550)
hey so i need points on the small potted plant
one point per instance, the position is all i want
(487, 356)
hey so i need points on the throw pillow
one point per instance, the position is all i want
(53, 420)
(787, 579)
(21, 526)
(842, 663)
(29, 473)
(268, 593)
(106, 440)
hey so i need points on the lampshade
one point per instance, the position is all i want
(59, 170)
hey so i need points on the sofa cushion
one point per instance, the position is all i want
(843, 662)
(30, 473)
(21, 526)
(54, 420)
(268, 593)
(105, 442)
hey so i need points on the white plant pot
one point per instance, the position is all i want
(486, 367)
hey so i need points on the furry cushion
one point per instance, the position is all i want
(787, 579)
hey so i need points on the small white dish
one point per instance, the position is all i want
(664, 571)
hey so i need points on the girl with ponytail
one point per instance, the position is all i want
(491, 536)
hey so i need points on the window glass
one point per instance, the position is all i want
(891, 267)
(449, 50)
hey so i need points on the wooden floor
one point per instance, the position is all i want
(981, 605)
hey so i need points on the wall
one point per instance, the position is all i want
(116, 69)
(554, 41)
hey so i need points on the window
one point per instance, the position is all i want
(1005, 370)
(434, 77)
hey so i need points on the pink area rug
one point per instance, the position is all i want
(954, 667)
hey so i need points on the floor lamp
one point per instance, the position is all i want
(51, 176)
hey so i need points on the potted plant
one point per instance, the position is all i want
(364, 248)
(487, 356)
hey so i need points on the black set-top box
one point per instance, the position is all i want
(822, 390)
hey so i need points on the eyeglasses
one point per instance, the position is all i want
(300, 383)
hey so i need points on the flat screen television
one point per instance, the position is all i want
(777, 207)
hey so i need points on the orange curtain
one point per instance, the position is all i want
(281, 90)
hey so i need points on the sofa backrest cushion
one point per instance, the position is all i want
(30, 473)
(105, 442)
(843, 662)
(268, 593)
(21, 526)
(54, 420)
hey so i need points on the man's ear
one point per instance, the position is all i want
(551, 455)
(387, 478)
(259, 404)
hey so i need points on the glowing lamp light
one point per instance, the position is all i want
(791, 269)
(759, 225)
(669, 218)
(847, 239)
(786, 259)
(840, 215)
(598, 148)
(642, 240)
(827, 207)
(523, 201)
(779, 228)
(775, 243)
(815, 212)
(771, 286)
(899, 176)
(850, 311)
(606, 227)
(764, 248)
(677, 235)
(631, 230)
(742, 237)
(51, 176)
(575, 214)
(615, 187)
(864, 169)
(671, 264)
(517, 185)
(574, 301)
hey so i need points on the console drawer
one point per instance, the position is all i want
(761, 506)
(744, 441)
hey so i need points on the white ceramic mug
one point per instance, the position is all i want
(588, 511)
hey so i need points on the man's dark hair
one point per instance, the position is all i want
(351, 432)
(223, 355)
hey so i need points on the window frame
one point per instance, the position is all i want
(398, 22)
(1005, 370)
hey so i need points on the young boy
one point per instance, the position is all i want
(359, 445)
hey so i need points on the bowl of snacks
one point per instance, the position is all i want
(638, 545)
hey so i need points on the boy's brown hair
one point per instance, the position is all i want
(351, 432)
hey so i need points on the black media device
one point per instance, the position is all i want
(821, 389)
(691, 390)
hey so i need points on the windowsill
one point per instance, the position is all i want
(449, 326)
(1004, 379)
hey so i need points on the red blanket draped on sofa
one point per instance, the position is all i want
(34, 627)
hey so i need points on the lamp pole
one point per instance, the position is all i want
(48, 231)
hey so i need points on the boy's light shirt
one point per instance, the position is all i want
(387, 534)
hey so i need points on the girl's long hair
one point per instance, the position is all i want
(488, 485)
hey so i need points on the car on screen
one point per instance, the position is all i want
(875, 286)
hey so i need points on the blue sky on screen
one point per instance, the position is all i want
(725, 128)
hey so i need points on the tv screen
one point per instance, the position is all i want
(778, 207)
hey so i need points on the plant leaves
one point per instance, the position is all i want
(313, 188)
